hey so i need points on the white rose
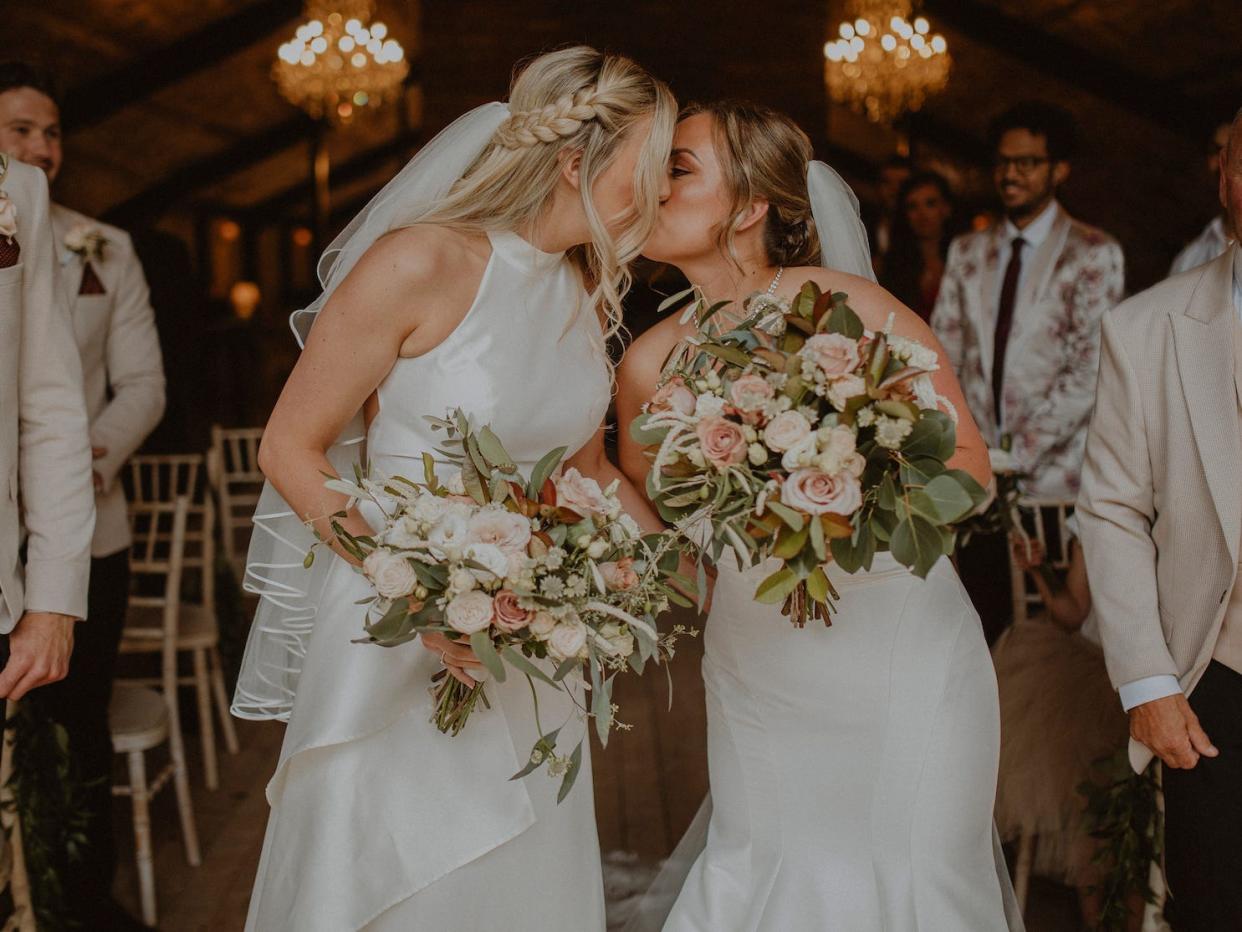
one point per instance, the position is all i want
(801, 454)
(757, 453)
(708, 406)
(567, 640)
(427, 508)
(495, 561)
(8, 216)
(469, 612)
(620, 643)
(580, 494)
(403, 535)
(542, 625)
(786, 430)
(506, 530)
(392, 575)
(449, 534)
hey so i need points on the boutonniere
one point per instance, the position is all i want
(8, 217)
(87, 242)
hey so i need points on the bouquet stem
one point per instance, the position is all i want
(800, 606)
(454, 702)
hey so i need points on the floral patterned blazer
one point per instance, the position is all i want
(1074, 277)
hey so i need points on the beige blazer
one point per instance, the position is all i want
(1161, 503)
(1053, 355)
(123, 374)
(45, 456)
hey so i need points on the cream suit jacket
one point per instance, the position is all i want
(122, 372)
(1161, 504)
(45, 455)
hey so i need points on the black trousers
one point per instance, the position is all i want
(1203, 815)
(80, 703)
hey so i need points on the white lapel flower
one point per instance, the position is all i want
(86, 241)
(8, 217)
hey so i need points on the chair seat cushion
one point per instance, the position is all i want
(138, 718)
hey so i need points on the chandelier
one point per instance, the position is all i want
(339, 62)
(883, 64)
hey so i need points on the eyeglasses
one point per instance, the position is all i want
(1025, 164)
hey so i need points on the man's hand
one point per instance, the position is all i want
(1170, 728)
(39, 650)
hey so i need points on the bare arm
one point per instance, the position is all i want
(638, 376)
(406, 286)
(593, 461)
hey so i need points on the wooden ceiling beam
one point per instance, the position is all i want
(146, 75)
(1140, 94)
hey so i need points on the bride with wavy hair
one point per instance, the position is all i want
(487, 276)
(852, 767)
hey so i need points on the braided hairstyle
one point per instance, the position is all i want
(764, 154)
(581, 100)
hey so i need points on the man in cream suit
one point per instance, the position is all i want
(1019, 316)
(45, 485)
(1161, 522)
(114, 326)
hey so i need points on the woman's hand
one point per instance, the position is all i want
(1028, 552)
(456, 655)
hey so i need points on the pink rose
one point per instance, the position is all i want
(672, 396)
(786, 430)
(835, 354)
(507, 615)
(619, 576)
(817, 493)
(722, 441)
(504, 529)
(750, 392)
(580, 494)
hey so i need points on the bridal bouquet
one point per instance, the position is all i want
(800, 435)
(545, 576)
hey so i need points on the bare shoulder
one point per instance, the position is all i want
(872, 303)
(644, 359)
(425, 253)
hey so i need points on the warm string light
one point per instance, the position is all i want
(884, 63)
(338, 62)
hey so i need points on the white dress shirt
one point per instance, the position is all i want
(1151, 688)
(1035, 233)
(1203, 248)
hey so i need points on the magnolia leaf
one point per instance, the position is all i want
(844, 321)
(543, 469)
(777, 587)
(818, 544)
(803, 305)
(485, 650)
(789, 543)
(817, 585)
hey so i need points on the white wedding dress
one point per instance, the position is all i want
(852, 767)
(378, 820)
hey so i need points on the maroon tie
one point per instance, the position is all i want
(90, 281)
(1004, 322)
(9, 252)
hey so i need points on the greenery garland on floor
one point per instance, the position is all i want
(1123, 813)
(49, 796)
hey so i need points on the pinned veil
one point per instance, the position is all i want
(288, 591)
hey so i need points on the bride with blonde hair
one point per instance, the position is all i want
(487, 276)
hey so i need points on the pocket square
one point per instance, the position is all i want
(90, 282)
(9, 252)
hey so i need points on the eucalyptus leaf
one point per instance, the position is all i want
(917, 544)
(575, 764)
(789, 543)
(485, 650)
(544, 469)
(517, 660)
(951, 500)
(494, 451)
(924, 439)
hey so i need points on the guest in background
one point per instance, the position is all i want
(124, 385)
(1058, 718)
(1215, 237)
(922, 231)
(880, 216)
(1161, 516)
(1019, 316)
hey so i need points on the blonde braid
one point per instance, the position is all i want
(558, 120)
